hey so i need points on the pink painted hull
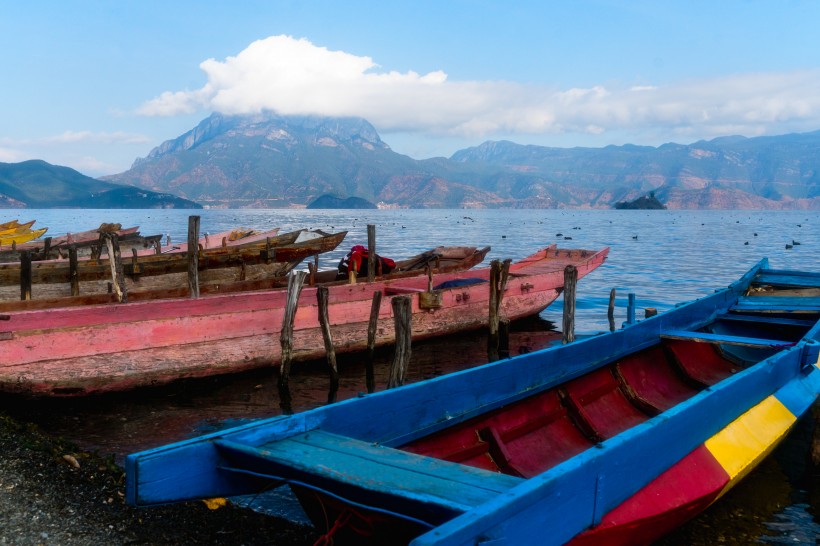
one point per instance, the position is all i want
(78, 351)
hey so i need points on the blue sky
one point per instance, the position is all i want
(93, 85)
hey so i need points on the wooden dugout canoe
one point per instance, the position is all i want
(99, 348)
(21, 237)
(16, 229)
(614, 440)
(151, 271)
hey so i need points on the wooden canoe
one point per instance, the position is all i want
(613, 440)
(17, 229)
(98, 348)
(442, 259)
(151, 271)
(9, 223)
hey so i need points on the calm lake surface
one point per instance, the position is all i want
(663, 257)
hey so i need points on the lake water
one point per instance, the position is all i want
(663, 257)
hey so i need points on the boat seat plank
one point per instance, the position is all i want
(704, 337)
(651, 379)
(315, 456)
(700, 362)
(598, 401)
(777, 304)
(788, 279)
(736, 317)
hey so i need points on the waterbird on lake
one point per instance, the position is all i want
(788, 246)
(795, 242)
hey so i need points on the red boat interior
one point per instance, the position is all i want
(532, 435)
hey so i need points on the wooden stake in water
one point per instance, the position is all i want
(499, 272)
(371, 252)
(610, 313)
(402, 316)
(193, 256)
(570, 282)
(372, 325)
(295, 282)
(324, 322)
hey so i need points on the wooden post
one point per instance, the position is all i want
(193, 256)
(73, 273)
(112, 243)
(25, 275)
(371, 252)
(402, 317)
(269, 252)
(351, 276)
(372, 325)
(650, 312)
(610, 313)
(135, 264)
(157, 247)
(570, 282)
(295, 282)
(498, 282)
(504, 338)
(324, 322)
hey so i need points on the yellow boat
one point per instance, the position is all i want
(16, 229)
(22, 237)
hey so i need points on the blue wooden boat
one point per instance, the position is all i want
(616, 439)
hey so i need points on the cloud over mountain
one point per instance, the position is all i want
(292, 76)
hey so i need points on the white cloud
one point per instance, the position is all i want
(294, 76)
(119, 137)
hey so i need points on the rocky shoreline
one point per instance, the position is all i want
(53, 493)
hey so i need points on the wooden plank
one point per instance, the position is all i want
(788, 278)
(729, 340)
(777, 304)
(373, 470)
(758, 319)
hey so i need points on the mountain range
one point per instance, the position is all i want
(268, 160)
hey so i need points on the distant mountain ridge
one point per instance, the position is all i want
(267, 160)
(37, 184)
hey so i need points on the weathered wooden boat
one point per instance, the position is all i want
(72, 351)
(615, 439)
(150, 271)
(21, 237)
(54, 247)
(9, 223)
(441, 259)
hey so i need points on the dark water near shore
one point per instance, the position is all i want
(664, 257)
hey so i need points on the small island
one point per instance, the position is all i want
(333, 202)
(647, 202)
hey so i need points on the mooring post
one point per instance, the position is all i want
(570, 282)
(295, 282)
(650, 312)
(498, 281)
(371, 252)
(73, 274)
(25, 275)
(372, 325)
(630, 308)
(402, 317)
(112, 244)
(193, 256)
(324, 322)
(610, 312)
(46, 247)
(311, 274)
(504, 337)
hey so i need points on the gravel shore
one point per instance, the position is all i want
(52, 493)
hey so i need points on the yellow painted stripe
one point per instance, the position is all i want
(748, 439)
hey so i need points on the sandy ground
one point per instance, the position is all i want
(51, 493)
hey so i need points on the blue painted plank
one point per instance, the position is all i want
(729, 340)
(368, 472)
(791, 279)
(760, 319)
(774, 304)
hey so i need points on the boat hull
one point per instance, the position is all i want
(93, 349)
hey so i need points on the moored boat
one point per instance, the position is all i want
(147, 270)
(21, 237)
(58, 351)
(615, 439)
